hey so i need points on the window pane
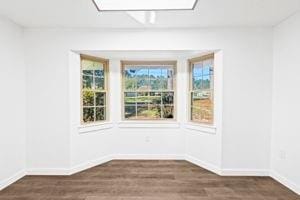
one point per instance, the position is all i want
(168, 97)
(130, 98)
(206, 82)
(155, 73)
(164, 73)
(202, 106)
(206, 114)
(202, 98)
(130, 112)
(155, 84)
(206, 70)
(93, 99)
(99, 83)
(196, 114)
(207, 67)
(143, 84)
(196, 98)
(88, 114)
(130, 73)
(142, 111)
(197, 83)
(130, 84)
(87, 72)
(130, 79)
(88, 98)
(142, 98)
(91, 65)
(154, 112)
(99, 73)
(100, 113)
(155, 98)
(197, 69)
(87, 82)
(168, 112)
(167, 79)
(142, 73)
(100, 99)
(164, 84)
(150, 81)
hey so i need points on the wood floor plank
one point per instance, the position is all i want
(146, 180)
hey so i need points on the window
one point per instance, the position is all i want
(93, 89)
(144, 5)
(148, 90)
(202, 90)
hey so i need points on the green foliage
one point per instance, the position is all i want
(148, 105)
(88, 98)
(88, 114)
(130, 84)
(93, 112)
(151, 113)
(100, 113)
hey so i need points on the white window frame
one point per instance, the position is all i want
(191, 62)
(148, 121)
(105, 63)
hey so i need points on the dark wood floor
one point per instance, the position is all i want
(146, 180)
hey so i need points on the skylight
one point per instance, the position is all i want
(144, 5)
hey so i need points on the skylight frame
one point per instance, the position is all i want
(123, 10)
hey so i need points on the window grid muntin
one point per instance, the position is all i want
(209, 61)
(94, 90)
(162, 106)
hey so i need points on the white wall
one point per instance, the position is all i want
(48, 138)
(286, 108)
(12, 103)
(246, 124)
(246, 102)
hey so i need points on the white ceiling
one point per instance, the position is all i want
(208, 13)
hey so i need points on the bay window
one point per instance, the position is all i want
(93, 89)
(202, 89)
(148, 90)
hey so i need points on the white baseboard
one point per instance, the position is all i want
(244, 172)
(90, 164)
(12, 179)
(284, 181)
(93, 163)
(49, 172)
(203, 164)
(148, 157)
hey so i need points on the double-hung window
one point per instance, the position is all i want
(93, 89)
(148, 90)
(202, 89)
